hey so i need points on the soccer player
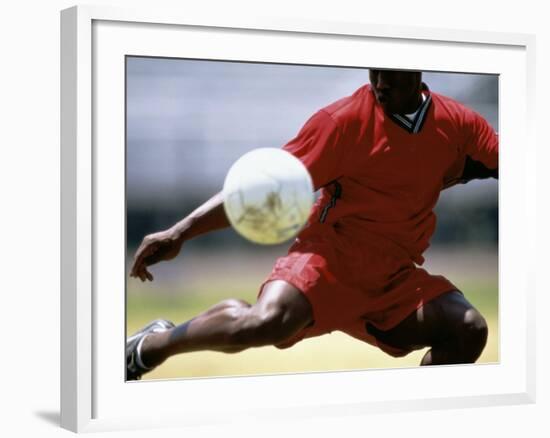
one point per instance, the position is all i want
(380, 157)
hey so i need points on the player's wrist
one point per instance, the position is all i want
(180, 232)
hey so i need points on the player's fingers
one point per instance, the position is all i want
(138, 261)
(141, 273)
(143, 251)
(135, 270)
(141, 276)
(135, 266)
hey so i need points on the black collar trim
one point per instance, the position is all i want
(414, 126)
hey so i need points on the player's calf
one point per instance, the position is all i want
(234, 325)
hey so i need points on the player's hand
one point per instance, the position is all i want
(154, 248)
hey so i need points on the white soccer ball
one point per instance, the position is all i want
(268, 195)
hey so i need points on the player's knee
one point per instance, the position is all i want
(474, 332)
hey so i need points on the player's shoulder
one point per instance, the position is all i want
(453, 109)
(350, 107)
(450, 105)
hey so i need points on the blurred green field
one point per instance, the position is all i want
(332, 352)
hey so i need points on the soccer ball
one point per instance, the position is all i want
(268, 195)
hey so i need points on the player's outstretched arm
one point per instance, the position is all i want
(166, 245)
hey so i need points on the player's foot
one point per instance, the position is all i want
(135, 367)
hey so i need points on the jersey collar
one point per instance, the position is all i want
(414, 126)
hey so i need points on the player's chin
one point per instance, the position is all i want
(386, 105)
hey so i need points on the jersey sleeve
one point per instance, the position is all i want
(479, 157)
(318, 146)
(481, 140)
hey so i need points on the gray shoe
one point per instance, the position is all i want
(134, 365)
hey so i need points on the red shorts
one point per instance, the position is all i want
(352, 282)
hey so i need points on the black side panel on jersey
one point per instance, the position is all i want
(332, 203)
(477, 170)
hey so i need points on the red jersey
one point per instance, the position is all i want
(382, 174)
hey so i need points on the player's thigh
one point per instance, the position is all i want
(285, 305)
(449, 316)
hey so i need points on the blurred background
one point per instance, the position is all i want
(189, 120)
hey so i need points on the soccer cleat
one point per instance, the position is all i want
(135, 367)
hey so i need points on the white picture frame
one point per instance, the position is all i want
(93, 397)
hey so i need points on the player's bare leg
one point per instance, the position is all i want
(234, 325)
(449, 324)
